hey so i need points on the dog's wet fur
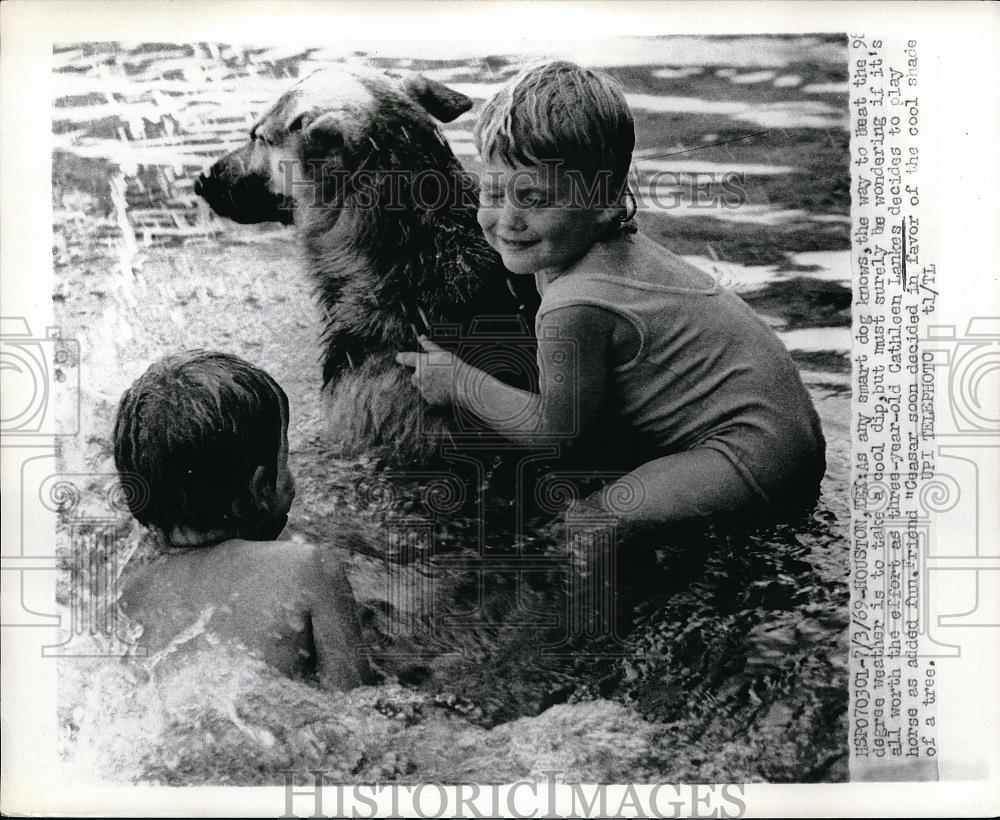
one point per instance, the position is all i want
(386, 262)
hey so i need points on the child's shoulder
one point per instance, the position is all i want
(629, 272)
(289, 551)
(300, 560)
(296, 564)
(638, 261)
(650, 262)
(270, 562)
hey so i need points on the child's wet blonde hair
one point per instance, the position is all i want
(561, 112)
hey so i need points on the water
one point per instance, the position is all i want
(729, 661)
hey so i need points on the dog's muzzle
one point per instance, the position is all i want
(242, 196)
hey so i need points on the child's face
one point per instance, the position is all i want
(529, 217)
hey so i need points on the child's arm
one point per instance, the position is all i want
(340, 661)
(574, 373)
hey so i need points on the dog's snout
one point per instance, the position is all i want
(207, 180)
(231, 191)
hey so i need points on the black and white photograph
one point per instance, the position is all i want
(286, 241)
(480, 407)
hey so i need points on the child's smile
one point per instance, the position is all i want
(529, 217)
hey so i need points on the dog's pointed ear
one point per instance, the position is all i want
(438, 100)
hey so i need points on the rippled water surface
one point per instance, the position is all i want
(727, 660)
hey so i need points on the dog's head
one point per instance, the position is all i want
(310, 144)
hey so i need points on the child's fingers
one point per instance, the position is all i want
(436, 355)
(408, 359)
(429, 346)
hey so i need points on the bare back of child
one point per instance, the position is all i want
(286, 603)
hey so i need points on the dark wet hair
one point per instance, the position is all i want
(561, 112)
(193, 429)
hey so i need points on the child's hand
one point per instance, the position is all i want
(434, 371)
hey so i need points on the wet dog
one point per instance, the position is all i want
(387, 218)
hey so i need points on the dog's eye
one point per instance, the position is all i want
(259, 134)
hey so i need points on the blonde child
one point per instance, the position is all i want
(709, 394)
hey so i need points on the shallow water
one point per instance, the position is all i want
(727, 661)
